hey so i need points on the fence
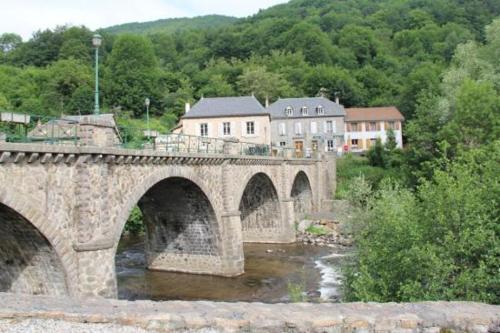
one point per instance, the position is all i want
(16, 127)
(26, 128)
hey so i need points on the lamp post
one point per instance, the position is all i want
(147, 102)
(96, 42)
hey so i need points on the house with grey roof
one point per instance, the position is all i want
(309, 124)
(242, 118)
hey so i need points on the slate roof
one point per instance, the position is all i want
(226, 107)
(375, 113)
(277, 109)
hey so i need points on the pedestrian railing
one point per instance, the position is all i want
(24, 128)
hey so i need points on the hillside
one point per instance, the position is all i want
(172, 25)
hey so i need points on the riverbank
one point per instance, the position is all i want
(37, 314)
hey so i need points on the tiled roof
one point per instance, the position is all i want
(226, 107)
(278, 108)
(375, 113)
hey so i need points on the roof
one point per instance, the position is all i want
(226, 107)
(376, 113)
(277, 109)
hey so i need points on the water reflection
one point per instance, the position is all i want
(268, 270)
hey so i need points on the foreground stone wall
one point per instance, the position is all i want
(54, 314)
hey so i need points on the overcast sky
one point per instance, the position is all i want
(26, 16)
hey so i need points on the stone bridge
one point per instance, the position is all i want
(63, 210)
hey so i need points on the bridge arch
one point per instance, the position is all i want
(182, 226)
(301, 194)
(260, 208)
(31, 260)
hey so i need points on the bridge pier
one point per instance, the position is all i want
(199, 209)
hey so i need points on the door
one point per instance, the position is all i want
(299, 149)
(314, 145)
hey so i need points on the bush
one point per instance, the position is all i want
(437, 243)
(135, 223)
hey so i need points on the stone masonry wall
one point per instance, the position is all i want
(79, 199)
(28, 263)
(22, 313)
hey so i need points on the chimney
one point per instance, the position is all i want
(267, 101)
(188, 107)
(337, 100)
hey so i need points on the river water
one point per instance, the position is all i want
(269, 270)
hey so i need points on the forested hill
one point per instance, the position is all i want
(385, 52)
(172, 25)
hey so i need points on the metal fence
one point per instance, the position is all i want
(16, 127)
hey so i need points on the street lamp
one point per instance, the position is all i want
(147, 102)
(96, 42)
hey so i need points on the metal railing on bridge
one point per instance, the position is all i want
(27, 128)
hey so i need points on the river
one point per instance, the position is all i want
(269, 270)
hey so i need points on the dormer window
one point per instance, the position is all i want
(319, 110)
(303, 110)
(289, 111)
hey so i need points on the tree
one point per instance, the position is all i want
(77, 44)
(311, 41)
(360, 40)
(132, 75)
(263, 84)
(337, 82)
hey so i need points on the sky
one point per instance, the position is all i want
(27, 16)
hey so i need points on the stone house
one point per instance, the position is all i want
(364, 125)
(309, 124)
(239, 118)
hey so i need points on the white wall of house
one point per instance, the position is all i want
(362, 135)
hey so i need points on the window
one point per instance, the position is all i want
(298, 128)
(250, 127)
(391, 125)
(303, 111)
(371, 126)
(354, 142)
(226, 128)
(330, 126)
(289, 111)
(314, 127)
(319, 110)
(330, 145)
(282, 144)
(204, 129)
(354, 127)
(282, 129)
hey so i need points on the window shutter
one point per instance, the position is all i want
(221, 130)
(325, 127)
(378, 125)
(256, 127)
(334, 126)
(398, 125)
(199, 128)
(348, 125)
(314, 127)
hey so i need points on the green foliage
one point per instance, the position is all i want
(172, 25)
(296, 292)
(412, 246)
(133, 68)
(388, 52)
(316, 230)
(135, 223)
(350, 167)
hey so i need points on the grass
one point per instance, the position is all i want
(316, 230)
